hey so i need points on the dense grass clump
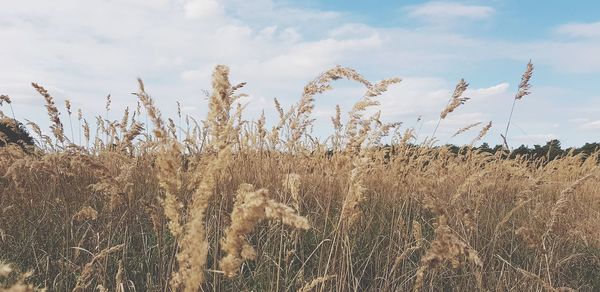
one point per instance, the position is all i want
(229, 204)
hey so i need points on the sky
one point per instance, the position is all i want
(85, 50)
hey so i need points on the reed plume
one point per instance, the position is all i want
(466, 128)
(53, 113)
(92, 268)
(523, 90)
(316, 282)
(291, 184)
(6, 99)
(19, 284)
(86, 213)
(68, 107)
(86, 132)
(300, 114)
(79, 118)
(159, 126)
(134, 131)
(124, 120)
(194, 246)
(251, 207)
(482, 133)
(351, 211)
(447, 247)
(169, 176)
(455, 101)
(563, 200)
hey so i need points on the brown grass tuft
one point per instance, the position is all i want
(251, 207)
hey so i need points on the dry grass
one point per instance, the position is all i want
(229, 204)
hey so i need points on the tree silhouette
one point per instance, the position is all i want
(13, 132)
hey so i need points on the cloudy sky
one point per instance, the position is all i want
(84, 50)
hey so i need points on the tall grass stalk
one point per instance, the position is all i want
(523, 90)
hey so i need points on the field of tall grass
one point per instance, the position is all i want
(228, 204)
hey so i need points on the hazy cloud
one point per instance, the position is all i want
(436, 11)
(202, 8)
(595, 125)
(84, 54)
(583, 30)
(531, 139)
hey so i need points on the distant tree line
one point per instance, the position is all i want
(551, 150)
(12, 131)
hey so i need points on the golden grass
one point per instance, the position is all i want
(229, 204)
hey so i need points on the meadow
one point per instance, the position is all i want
(148, 203)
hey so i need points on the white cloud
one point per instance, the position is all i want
(458, 120)
(488, 92)
(583, 30)
(437, 11)
(202, 8)
(196, 75)
(290, 35)
(415, 96)
(429, 96)
(269, 11)
(83, 54)
(578, 120)
(595, 125)
(531, 139)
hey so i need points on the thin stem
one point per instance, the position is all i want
(439, 121)
(509, 118)
(80, 133)
(436, 127)
(12, 111)
(107, 128)
(146, 125)
(71, 124)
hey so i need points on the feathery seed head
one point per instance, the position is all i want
(524, 86)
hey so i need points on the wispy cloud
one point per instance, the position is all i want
(531, 139)
(436, 11)
(595, 125)
(488, 92)
(580, 30)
